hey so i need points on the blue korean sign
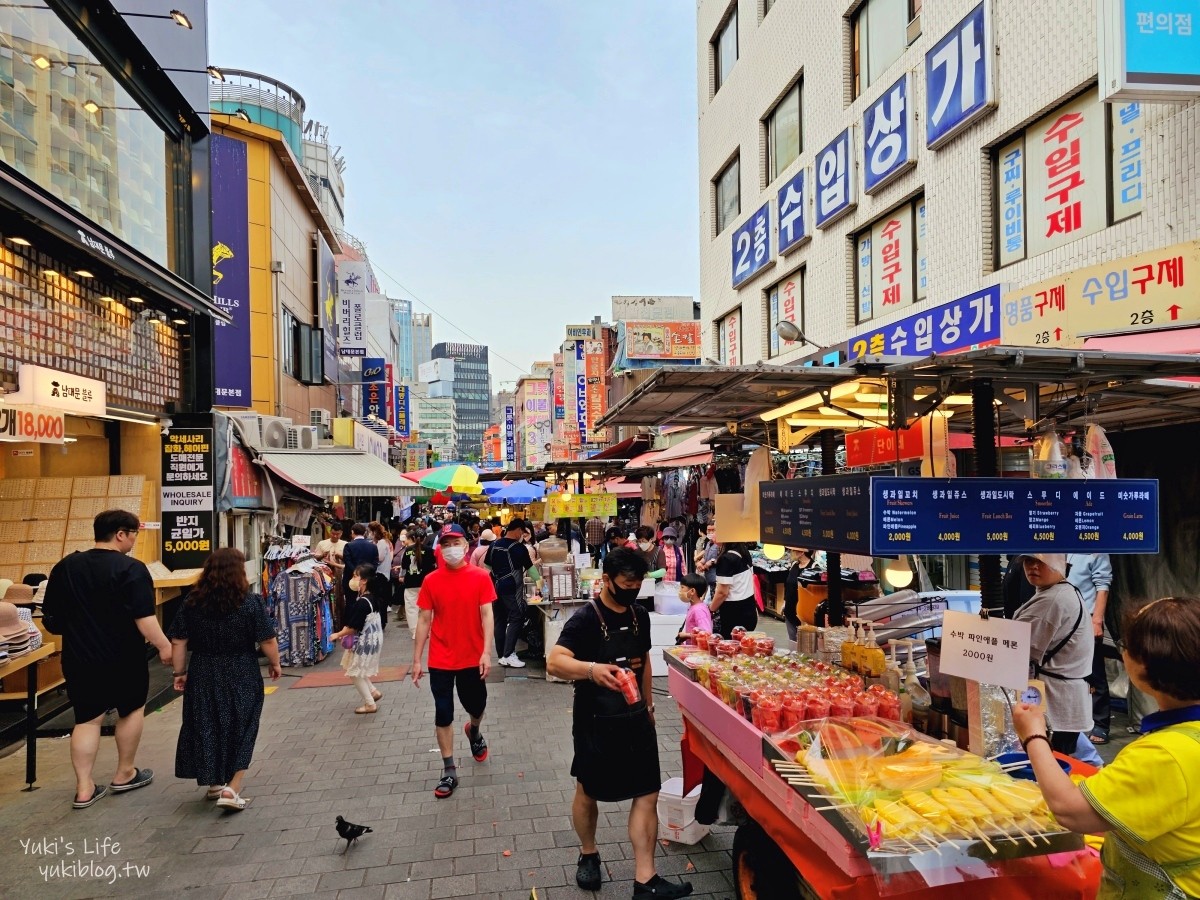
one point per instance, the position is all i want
(967, 323)
(1000, 515)
(834, 175)
(1149, 49)
(231, 271)
(830, 512)
(959, 81)
(581, 392)
(887, 136)
(510, 440)
(752, 246)
(374, 385)
(403, 413)
(793, 213)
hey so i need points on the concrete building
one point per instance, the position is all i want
(324, 167)
(402, 314)
(422, 339)
(815, 126)
(437, 425)
(472, 397)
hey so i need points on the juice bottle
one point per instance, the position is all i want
(850, 647)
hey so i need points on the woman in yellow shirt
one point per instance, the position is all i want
(1148, 799)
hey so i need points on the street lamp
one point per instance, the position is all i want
(213, 72)
(789, 331)
(177, 16)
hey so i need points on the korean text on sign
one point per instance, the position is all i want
(834, 174)
(968, 322)
(958, 77)
(887, 136)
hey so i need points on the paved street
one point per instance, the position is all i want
(505, 830)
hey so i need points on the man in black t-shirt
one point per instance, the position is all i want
(102, 603)
(508, 558)
(616, 746)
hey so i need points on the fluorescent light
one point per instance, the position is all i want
(179, 321)
(20, 242)
(41, 62)
(70, 440)
(847, 423)
(136, 300)
(181, 18)
(84, 273)
(91, 106)
(808, 402)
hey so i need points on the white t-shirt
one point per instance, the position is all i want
(329, 550)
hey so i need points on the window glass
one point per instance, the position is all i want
(785, 303)
(880, 36)
(70, 127)
(729, 200)
(726, 48)
(783, 133)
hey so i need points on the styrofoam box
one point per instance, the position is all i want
(677, 814)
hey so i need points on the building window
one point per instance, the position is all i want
(291, 330)
(767, 4)
(880, 36)
(729, 194)
(785, 303)
(1070, 174)
(784, 136)
(725, 48)
(729, 338)
(890, 268)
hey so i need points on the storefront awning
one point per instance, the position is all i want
(692, 451)
(343, 473)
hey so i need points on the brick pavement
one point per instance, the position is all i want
(316, 759)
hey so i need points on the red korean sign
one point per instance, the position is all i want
(876, 446)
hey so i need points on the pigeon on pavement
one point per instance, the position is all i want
(349, 832)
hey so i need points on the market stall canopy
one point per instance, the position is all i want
(626, 449)
(692, 451)
(619, 486)
(520, 492)
(1115, 389)
(345, 473)
(457, 478)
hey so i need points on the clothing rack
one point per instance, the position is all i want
(299, 592)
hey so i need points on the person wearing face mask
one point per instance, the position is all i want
(362, 633)
(673, 559)
(706, 557)
(616, 746)
(456, 621)
(649, 551)
(801, 559)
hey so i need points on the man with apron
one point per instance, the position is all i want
(616, 746)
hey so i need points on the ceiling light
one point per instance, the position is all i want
(847, 422)
(84, 273)
(136, 300)
(179, 321)
(20, 241)
(949, 400)
(91, 106)
(50, 273)
(773, 551)
(107, 300)
(181, 19)
(41, 62)
(810, 401)
(897, 573)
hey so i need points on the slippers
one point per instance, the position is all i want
(99, 792)
(141, 778)
(365, 710)
(1098, 739)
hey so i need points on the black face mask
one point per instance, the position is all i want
(624, 596)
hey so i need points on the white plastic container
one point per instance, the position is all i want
(677, 814)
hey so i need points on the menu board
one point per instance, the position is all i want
(187, 497)
(830, 512)
(573, 506)
(1003, 515)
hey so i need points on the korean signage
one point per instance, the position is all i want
(403, 413)
(352, 298)
(560, 402)
(835, 192)
(663, 340)
(657, 309)
(580, 393)
(538, 428)
(967, 323)
(751, 243)
(990, 651)
(959, 77)
(892, 277)
(1149, 49)
(374, 387)
(231, 271)
(831, 512)
(34, 424)
(328, 304)
(999, 515)
(188, 534)
(578, 506)
(881, 446)
(40, 386)
(793, 212)
(245, 484)
(730, 338)
(784, 305)
(1126, 163)
(1011, 201)
(510, 443)
(887, 136)
(581, 332)
(389, 395)
(1144, 292)
(596, 363)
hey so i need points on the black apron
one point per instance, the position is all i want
(616, 746)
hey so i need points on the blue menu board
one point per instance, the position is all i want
(1006, 515)
(829, 512)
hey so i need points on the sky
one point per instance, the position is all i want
(511, 164)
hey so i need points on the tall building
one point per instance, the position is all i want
(403, 315)
(422, 339)
(437, 425)
(909, 178)
(471, 390)
(324, 166)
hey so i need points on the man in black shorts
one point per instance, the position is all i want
(616, 746)
(102, 602)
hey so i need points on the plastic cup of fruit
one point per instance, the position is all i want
(817, 706)
(770, 712)
(866, 704)
(764, 646)
(841, 705)
(877, 689)
(889, 707)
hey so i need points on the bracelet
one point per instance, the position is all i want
(591, 670)
(179, 674)
(1033, 737)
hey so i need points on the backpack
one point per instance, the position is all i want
(505, 575)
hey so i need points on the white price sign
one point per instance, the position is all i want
(301, 540)
(990, 651)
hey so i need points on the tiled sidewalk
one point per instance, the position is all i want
(506, 828)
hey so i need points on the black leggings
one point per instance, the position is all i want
(738, 612)
(472, 693)
(509, 616)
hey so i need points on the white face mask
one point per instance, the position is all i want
(645, 545)
(454, 555)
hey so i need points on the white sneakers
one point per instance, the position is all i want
(512, 661)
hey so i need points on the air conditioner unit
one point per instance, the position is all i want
(660, 442)
(303, 437)
(249, 427)
(320, 417)
(274, 432)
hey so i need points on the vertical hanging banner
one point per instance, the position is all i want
(402, 411)
(327, 304)
(510, 438)
(597, 395)
(231, 271)
(560, 405)
(389, 396)
(887, 136)
(374, 387)
(188, 531)
(793, 212)
(581, 391)
(352, 299)
(835, 189)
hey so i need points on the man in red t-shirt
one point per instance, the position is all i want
(456, 618)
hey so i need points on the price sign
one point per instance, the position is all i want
(37, 424)
(827, 513)
(990, 651)
(188, 526)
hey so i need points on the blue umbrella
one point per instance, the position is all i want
(520, 492)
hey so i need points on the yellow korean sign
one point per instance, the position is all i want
(1145, 292)
(577, 506)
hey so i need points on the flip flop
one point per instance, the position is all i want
(99, 792)
(141, 778)
(1098, 739)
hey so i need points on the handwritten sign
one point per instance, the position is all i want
(990, 651)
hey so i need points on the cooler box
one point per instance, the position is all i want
(677, 814)
(662, 635)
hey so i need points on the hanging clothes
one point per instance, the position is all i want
(299, 599)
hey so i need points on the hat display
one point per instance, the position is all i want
(1055, 561)
(14, 634)
(5, 584)
(19, 593)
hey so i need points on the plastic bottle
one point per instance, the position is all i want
(891, 676)
(877, 659)
(850, 647)
(921, 701)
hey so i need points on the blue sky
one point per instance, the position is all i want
(513, 164)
